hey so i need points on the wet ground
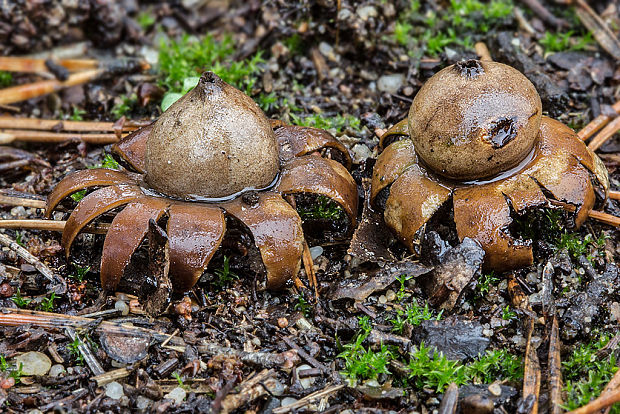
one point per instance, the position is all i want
(371, 341)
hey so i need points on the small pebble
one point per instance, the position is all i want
(122, 307)
(287, 401)
(360, 153)
(382, 299)
(316, 251)
(34, 363)
(390, 295)
(495, 389)
(114, 390)
(178, 395)
(390, 83)
(57, 370)
(143, 403)
(303, 324)
(282, 322)
(366, 12)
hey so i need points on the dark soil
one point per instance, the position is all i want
(322, 57)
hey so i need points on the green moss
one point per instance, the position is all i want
(337, 123)
(6, 79)
(322, 208)
(586, 373)
(183, 61)
(559, 42)
(452, 25)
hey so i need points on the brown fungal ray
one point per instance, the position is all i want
(132, 148)
(95, 204)
(195, 232)
(522, 191)
(556, 133)
(124, 236)
(413, 200)
(558, 170)
(82, 179)
(276, 228)
(481, 213)
(400, 128)
(391, 163)
(316, 175)
(296, 141)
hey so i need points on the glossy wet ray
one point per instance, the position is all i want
(315, 175)
(483, 214)
(296, 141)
(95, 204)
(277, 232)
(400, 128)
(80, 180)
(126, 232)
(392, 162)
(195, 232)
(413, 200)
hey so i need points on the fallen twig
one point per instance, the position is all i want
(325, 392)
(312, 361)
(8, 136)
(601, 32)
(110, 376)
(39, 265)
(483, 51)
(286, 359)
(249, 390)
(68, 126)
(555, 369)
(19, 317)
(87, 354)
(545, 14)
(51, 225)
(21, 201)
(606, 133)
(450, 400)
(532, 373)
(597, 123)
(33, 65)
(604, 401)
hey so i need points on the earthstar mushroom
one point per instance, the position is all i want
(479, 140)
(211, 157)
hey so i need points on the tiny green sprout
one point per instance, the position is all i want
(402, 279)
(338, 123)
(78, 196)
(19, 238)
(224, 274)
(486, 281)
(413, 314)
(125, 105)
(47, 304)
(179, 379)
(361, 362)
(507, 314)
(4, 366)
(17, 373)
(302, 305)
(77, 114)
(80, 272)
(145, 19)
(6, 79)
(74, 350)
(19, 300)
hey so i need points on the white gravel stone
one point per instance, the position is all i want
(178, 395)
(307, 381)
(121, 306)
(114, 390)
(360, 152)
(143, 403)
(382, 299)
(366, 12)
(57, 370)
(287, 401)
(390, 83)
(34, 363)
(316, 251)
(495, 389)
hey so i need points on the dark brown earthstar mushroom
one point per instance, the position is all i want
(211, 157)
(478, 140)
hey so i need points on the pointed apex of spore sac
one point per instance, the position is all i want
(209, 83)
(470, 69)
